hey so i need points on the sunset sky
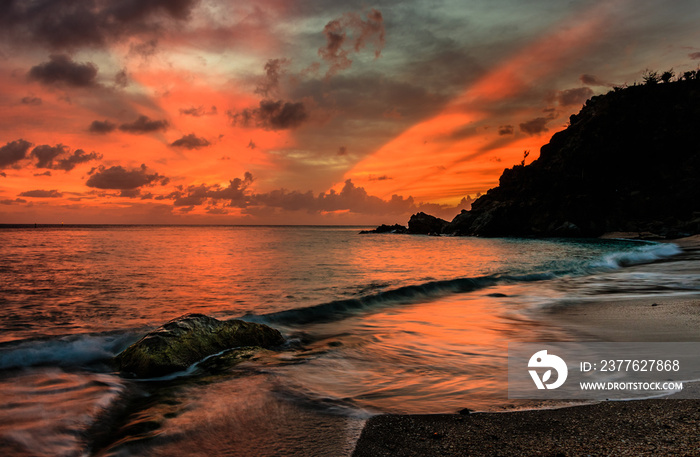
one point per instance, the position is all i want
(300, 112)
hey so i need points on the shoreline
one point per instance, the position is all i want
(649, 427)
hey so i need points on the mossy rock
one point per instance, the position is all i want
(188, 339)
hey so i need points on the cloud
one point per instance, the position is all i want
(61, 69)
(535, 126)
(342, 151)
(33, 101)
(79, 156)
(67, 24)
(576, 96)
(118, 177)
(269, 84)
(40, 193)
(121, 79)
(505, 129)
(45, 154)
(191, 141)
(13, 152)
(102, 127)
(48, 157)
(350, 199)
(271, 115)
(339, 45)
(198, 111)
(144, 125)
(12, 202)
(592, 80)
(46, 173)
(694, 55)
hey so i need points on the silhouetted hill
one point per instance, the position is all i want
(629, 161)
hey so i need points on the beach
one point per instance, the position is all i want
(640, 427)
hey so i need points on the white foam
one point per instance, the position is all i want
(643, 254)
(64, 351)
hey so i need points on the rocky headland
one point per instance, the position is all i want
(628, 162)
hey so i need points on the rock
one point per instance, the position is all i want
(396, 228)
(188, 339)
(629, 161)
(426, 224)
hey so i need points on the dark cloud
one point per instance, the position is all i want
(40, 193)
(145, 49)
(46, 173)
(67, 24)
(535, 126)
(12, 202)
(238, 194)
(118, 177)
(102, 127)
(59, 157)
(199, 111)
(694, 55)
(350, 34)
(269, 84)
(505, 129)
(191, 141)
(61, 69)
(33, 101)
(592, 80)
(130, 193)
(144, 125)
(77, 157)
(13, 152)
(46, 154)
(576, 96)
(121, 79)
(272, 115)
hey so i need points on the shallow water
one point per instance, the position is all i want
(374, 323)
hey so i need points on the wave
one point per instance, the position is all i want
(340, 309)
(643, 254)
(73, 350)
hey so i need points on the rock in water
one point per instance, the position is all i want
(425, 224)
(188, 339)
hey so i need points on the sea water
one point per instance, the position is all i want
(373, 323)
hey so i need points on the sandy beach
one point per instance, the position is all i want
(646, 427)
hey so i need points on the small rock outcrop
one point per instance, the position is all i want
(396, 228)
(188, 339)
(425, 224)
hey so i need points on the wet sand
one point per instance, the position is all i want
(637, 428)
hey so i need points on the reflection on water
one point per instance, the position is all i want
(74, 280)
(374, 324)
(440, 356)
(46, 412)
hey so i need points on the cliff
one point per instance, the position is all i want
(628, 161)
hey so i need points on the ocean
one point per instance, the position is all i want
(373, 324)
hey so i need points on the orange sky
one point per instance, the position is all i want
(312, 113)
